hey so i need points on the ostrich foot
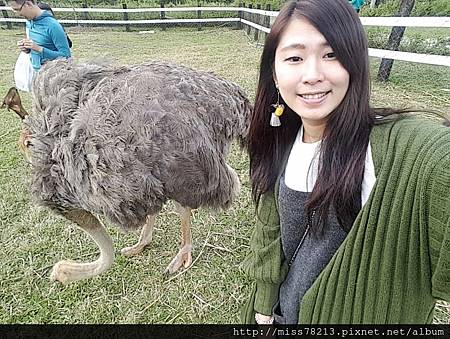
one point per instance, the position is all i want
(183, 258)
(66, 271)
(145, 238)
(61, 272)
(132, 250)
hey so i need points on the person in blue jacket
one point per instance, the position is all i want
(357, 4)
(46, 39)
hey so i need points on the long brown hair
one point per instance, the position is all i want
(346, 135)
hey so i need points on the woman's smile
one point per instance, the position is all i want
(314, 99)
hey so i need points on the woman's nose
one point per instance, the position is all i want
(312, 72)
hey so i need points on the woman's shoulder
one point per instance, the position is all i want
(410, 126)
(50, 21)
(410, 137)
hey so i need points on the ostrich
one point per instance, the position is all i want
(121, 141)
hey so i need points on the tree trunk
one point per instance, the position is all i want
(395, 38)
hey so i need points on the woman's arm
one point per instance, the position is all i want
(265, 262)
(438, 207)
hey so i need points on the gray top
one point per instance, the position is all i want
(311, 256)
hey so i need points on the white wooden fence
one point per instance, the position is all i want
(441, 22)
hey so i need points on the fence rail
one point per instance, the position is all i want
(247, 16)
(436, 22)
(157, 9)
(430, 59)
(442, 22)
(136, 22)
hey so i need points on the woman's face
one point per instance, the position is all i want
(22, 9)
(310, 79)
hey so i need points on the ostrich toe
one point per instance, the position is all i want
(183, 258)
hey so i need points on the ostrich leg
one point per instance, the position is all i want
(184, 256)
(66, 271)
(144, 239)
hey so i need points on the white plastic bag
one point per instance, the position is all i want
(24, 72)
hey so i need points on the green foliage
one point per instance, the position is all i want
(387, 8)
(140, 4)
(432, 8)
(421, 8)
(137, 3)
(415, 40)
(275, 5)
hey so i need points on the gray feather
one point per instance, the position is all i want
(121, 141)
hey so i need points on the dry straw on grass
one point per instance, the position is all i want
(134, 290)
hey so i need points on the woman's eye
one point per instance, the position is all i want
(330, 55)
(294, 59)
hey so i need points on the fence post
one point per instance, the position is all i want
(267, 20)
(244, 15)
(5, 15)
(250, 6)
(199, 16)
(257, 21)
(125, 17)
(239, 23)
(85, 14)
(162, 16)
(374, 3)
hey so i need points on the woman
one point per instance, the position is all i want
(353, 203)
(46, 38)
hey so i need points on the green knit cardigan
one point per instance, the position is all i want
(395, 261)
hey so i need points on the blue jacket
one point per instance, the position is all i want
(48, 33)
(357, 4)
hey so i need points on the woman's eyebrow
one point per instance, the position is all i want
(301, 46)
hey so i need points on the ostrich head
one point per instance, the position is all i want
(12, 101)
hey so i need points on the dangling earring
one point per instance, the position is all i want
(279, 109)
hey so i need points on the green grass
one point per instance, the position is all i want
(133, 290)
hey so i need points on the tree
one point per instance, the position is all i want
(395, 38)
